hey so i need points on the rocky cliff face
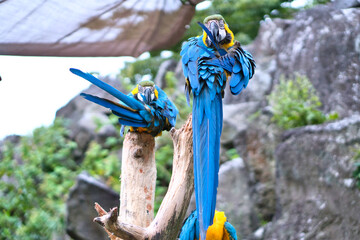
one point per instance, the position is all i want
(316, 195)
(312, 166)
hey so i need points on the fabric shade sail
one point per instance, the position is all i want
(91, 27)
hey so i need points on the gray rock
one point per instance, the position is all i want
(267, 41)
(315, 199)
(236, 120)
(324, 44)
(179, 74)
(168, 65)
(234, 197)
(13, 140)
(84, 117)
(80, 210)
(259, 233)
(249, 131)
(340, 4)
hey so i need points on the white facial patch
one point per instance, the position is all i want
(141, 97)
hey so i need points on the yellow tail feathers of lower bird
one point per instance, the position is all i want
(216, 231)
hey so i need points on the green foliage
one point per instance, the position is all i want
(356, 172)
(32, 197)
(165, 149)
(296, 104)
(134, 72)
(313, 3)
(103, 164)
(33, 190)
(232, 154)
(163, 157)
(245, 16)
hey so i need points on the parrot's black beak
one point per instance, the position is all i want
(218, 31)
(147, 94)
(214, 29)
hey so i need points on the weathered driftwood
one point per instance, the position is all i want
(171, 214)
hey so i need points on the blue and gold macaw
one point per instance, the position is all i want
(221, 229)
(146, 109)
(209, 62)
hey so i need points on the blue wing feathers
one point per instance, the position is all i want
(131, 123)
(236, 68)
(132, 112)
(234, 80)
(190, 228)
(231, 231)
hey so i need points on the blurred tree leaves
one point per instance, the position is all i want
(356, 172)
(134, 72)
(36, 176)
(243, 17)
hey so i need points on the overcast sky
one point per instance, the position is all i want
(34, 88)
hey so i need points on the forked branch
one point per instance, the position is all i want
(169, 219)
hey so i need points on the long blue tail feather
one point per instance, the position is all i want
(207, 127)
(132, 103)
(126, 115)
(115, 107)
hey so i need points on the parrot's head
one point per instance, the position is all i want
(146, 92)
(220, 31)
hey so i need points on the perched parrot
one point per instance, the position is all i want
(146, 109)
(209, 61)
(219, 230)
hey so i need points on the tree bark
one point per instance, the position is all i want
(138, 179)
(170, 217)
